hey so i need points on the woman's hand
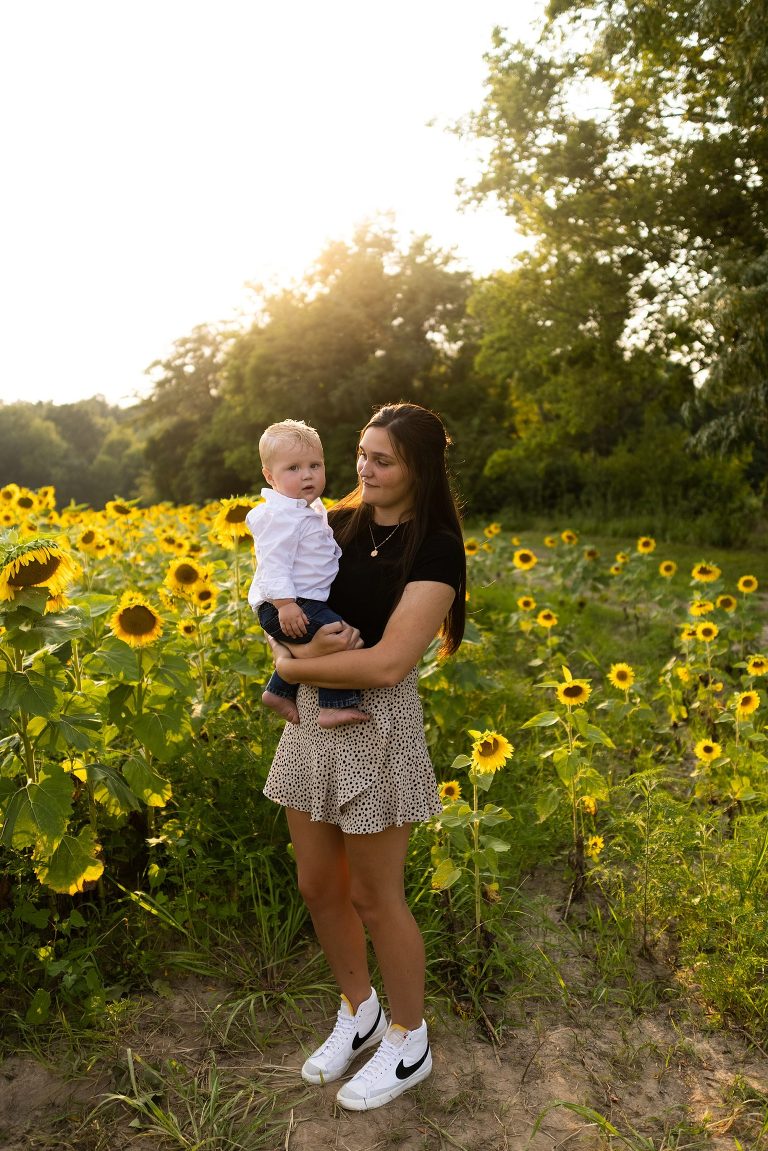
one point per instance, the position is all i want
(278, 649)
(328, 640)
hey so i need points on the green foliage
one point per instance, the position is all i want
(631, 143)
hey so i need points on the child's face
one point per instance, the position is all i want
(298, 473)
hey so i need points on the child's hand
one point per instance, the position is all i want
(293, 622)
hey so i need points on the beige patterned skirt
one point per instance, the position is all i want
(363, 777)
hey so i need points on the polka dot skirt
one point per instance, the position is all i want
(363, 777)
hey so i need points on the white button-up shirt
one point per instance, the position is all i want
(296, 554)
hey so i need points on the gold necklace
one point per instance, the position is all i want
(377, 547)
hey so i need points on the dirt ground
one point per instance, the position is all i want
(661, 1076)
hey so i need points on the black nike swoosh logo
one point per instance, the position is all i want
(403, 1072)
(359, 1040)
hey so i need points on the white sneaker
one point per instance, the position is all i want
(403, 1059)
(354, 1032)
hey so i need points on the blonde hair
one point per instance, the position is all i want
(288, 433)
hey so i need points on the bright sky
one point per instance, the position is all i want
(158, 155)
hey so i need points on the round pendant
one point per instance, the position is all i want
(375, 552)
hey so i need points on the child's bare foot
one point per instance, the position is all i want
(338, 716)
(284, 707)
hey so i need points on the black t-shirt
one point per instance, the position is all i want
(366, 589)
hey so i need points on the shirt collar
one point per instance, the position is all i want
(270, 496)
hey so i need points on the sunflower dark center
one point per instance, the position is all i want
(137, 620)
(236, 514)
(187, 574)
(573, 691)
(487, 748)
(35, 572)
(88, 537)
(25, 502)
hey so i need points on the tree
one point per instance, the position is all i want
(634, 136)
(369, 324)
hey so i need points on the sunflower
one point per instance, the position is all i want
(757, 665)
(183, 575)
(38, 562)
(492, 530)
(591, 554)
(8, 493)
(593, 846)
(118, 508)
(88, 541)
(46, 497)
(569, 537)
(490, 751)
(615, 569)
(524, 559)
(26, 501)
(515, 541)
(7, 517)
(746, 703)
(589, 804)
(622, 676)
(573, 692)
(646, 544)
(526, 603)
(471, 546)
(683, 673)
(546, 618)
(706, 750)
(187, 628)
(622, 558)
(706, 573)
(136, 622)
(450, 790)
(204, 596)
(707, 631)
(726, 602)
(687, 632)
(229, 526)
(667, 568)
(701, 607)
(550, 541)
(171, 543)
(747, 584)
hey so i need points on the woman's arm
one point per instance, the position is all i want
(410, 629)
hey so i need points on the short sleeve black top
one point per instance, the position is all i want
(365, 591)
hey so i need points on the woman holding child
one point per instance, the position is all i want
(352, 792)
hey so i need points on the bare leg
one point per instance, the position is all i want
(338, 716)
(285, 707)
(376, 864)
(324, 884)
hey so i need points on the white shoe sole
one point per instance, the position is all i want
(353, 1104)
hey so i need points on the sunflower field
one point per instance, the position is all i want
(603, 722)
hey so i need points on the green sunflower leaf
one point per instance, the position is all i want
(146, 783)
(73, 864)
(39, 1007)
(547, 802)
(596, 735)
(111, 790)
(37, 815)
(543, 719)
(445, 875)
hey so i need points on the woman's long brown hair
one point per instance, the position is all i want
(421, 442)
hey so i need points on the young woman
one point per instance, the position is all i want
(352, 793)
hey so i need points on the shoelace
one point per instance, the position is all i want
(380, 1062)
(339, 1035)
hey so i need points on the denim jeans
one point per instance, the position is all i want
(318, 613)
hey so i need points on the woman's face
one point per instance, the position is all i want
(386, 482)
